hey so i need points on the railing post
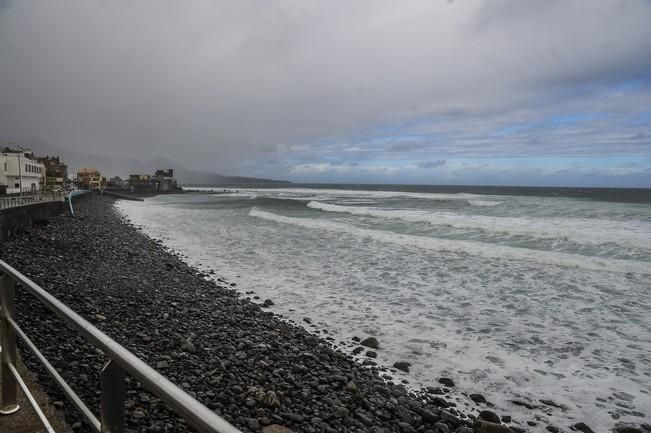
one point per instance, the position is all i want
(113, 398)
(9, 391)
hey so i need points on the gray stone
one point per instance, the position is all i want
(489, 416)
(489, 427)
(402, 366)
(187, 346)
(370, 342)
(582, 427)
(276, 428)
(447, 382)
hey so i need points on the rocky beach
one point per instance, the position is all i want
(247, 364)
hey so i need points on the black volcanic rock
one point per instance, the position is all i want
(447, 382)
(370, 342)
(401, 365)
(582, 427)
(241, 361)
(489, 416)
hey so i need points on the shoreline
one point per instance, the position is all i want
(269, 373)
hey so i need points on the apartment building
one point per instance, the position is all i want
(20, 172)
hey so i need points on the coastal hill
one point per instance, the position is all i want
(123, 166)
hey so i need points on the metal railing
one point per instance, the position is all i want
(112, 383)
(25, 200)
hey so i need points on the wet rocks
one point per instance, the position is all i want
(268, 303)
(477, 398)
(487, 415)
(402, 366)
(257, 371)
(370, 342)
(446, 382)
(440, 402)
(523, 404)
(552, 404)
(628, 429)
(582, 427)
(489, 427)
(430, 416)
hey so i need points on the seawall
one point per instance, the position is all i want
(16, 219)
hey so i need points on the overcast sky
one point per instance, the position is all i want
(549, 92)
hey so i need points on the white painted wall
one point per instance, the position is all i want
(13, 166)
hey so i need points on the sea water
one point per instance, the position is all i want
(517, 297)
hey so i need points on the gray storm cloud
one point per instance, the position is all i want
(208, 82)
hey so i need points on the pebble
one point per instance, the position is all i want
(258, 371)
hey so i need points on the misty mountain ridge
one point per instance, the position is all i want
(111, 166)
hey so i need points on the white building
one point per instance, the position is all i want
(20, 170)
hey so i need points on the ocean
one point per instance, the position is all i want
(519, 294)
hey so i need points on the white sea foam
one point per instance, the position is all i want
(463, 247)
(506, 323)
(636, 234)
(485, 203)
(318, 194)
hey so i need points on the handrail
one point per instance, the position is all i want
(7, 202)
(72, 396)
(120, 360)
(75, 193)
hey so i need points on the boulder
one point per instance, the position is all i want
(370, 342)
(447, 382)
(490, 427)
(582, 427)
(402, 366)
(487, 415)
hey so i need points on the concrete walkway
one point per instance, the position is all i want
(25, 420)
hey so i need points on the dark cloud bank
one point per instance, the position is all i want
(214, 85)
